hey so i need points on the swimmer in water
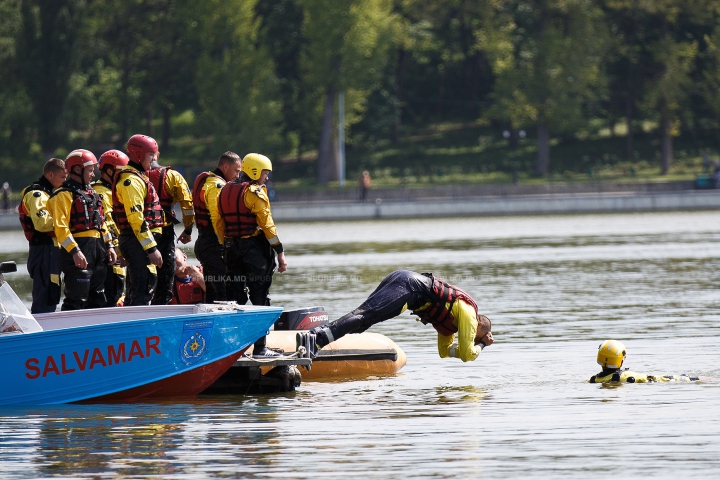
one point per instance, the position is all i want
(611, 355)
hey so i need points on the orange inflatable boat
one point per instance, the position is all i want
(353, 356)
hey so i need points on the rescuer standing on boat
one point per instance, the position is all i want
(139, 218)
(171, 188)
(110, 162)
(250, 236)
(43, 262)
(85, 244)
(448, 309)
(208, 248)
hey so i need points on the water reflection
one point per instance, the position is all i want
(553, 286)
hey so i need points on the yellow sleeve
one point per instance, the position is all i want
(36, 204)
(131, 192)
(212, 193)
(180, 193)
(257, 201)
(59, 206)
(466, 322)
(106, 198)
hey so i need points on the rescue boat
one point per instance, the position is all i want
(120, 354)
(353, 356)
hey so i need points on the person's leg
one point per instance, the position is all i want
(45, 293)
(77, 280)
(140, 279)
(166, 273)
(114, 284)
(393, 294)
(258, 264)
(99, 267)
(210, 254)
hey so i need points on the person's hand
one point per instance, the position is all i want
(155, 258)
(184, 237)
(192, 271)
(112, 256)
(123, 262)
(80, 260)
(282, 263)
(487, 339)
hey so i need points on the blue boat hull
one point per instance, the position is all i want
(170, 356)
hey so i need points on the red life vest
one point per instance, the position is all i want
(202, 214)
(438, 314)
(152, 211)
(186, 292)
(32, 235)
(239, 220)
(157, 177)
(86, 211)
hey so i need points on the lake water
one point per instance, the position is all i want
(555, 287)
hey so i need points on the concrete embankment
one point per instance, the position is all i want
(482, 200)
(509, 205)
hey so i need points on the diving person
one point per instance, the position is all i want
(139, 218)
(208, 248)
(247, 230)
(445, 307)
(171, 188)
(43, 262)
(110, 162)
(85, 244)
(611, 355)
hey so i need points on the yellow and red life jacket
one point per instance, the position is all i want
(152, 211)
(202, 214)
(438, 313)
(86, 211)
(186, 291)
(32, 235)
(157, 177)
(239, 220)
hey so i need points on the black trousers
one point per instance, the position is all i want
(210, 254)
(251, 263)
(387, 301)
(166, 273)
(140, 281)
(85, 287)
(43, 261)
(114, 286)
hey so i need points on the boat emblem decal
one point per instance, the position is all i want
(194, 340)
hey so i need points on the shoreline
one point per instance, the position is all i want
(543, 204)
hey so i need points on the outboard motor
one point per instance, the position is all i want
(14, 315)
(302, 319)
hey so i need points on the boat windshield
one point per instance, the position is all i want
(14, 315)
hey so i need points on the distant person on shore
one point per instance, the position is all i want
(611, 355)
(705, 161)
(365, 184)
(189, 285)
(6, 194)
(43, 262)
(448, 309)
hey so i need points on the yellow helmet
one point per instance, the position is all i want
(611, 354)
(253, 164)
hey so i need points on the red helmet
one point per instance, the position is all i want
(81, 158)
(139, 145)
(115, 158)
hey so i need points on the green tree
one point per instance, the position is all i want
(346, 49)
(47, 46)
(546, 56)
(238, 95)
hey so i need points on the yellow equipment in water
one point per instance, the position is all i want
(611, 354)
